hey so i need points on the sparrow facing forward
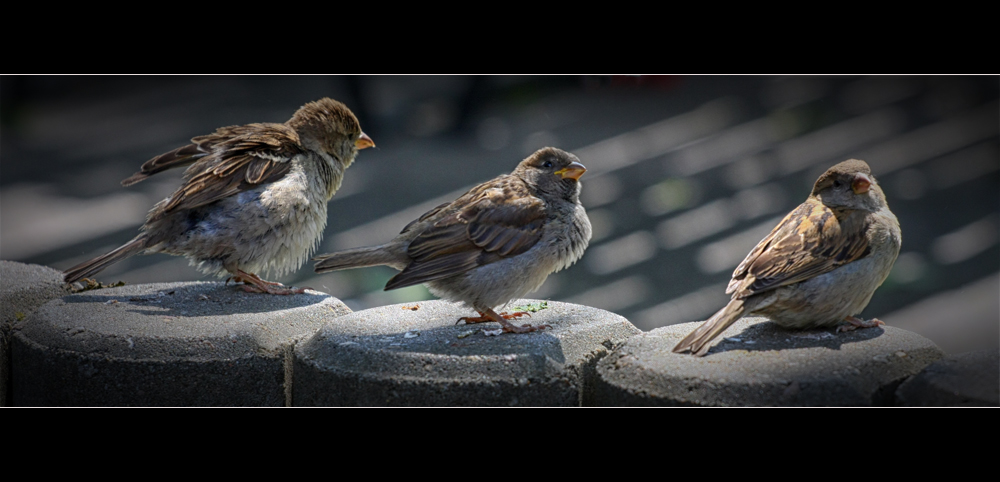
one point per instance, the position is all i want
(820, 265)
(254, 196)
(495, 243)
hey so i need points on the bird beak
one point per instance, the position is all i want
(364, 142)
(573, 171)
(861, 183)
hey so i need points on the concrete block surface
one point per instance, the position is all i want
(171, 344)
(414, 354)
(761, 364)
(23, 288)
(964, 380)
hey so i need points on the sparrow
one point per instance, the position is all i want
(820, 266)
(495, 243)
(253, 199)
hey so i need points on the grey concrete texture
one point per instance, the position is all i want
(758, 363)
(964, 380)
(414, 354)
(170, 344)
(23, 288)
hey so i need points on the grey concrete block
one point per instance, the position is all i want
(394, 356)
(23, 288)
(172, 344)
(762, 364)
(965, 380)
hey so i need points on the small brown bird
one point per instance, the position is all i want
(254, 196)
(820, 265)
(495, 243)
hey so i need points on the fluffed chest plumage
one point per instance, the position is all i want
(273, 228)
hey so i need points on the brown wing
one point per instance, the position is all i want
(810, 241)
(494, 221)
(426, 215)
(238, 158)
(200, 147)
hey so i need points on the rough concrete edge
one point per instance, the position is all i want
(283, 354)
(343, 387)
(593, 384)
(64, 357)
(924, 389)
(580, 375)
(347, 394)
(876, 392)
(48, 286)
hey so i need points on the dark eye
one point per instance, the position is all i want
(837, 184)
(547, 164)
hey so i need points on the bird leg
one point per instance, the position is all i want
(482, 318)
(254, 284)
(856, 323)
(508, 327)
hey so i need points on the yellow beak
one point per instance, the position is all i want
(364, 142)
(861, 183)
(573, 171)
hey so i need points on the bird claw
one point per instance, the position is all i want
(482, 318)
(516, 314)
(502, 318)
(855, 323)
(254, 284)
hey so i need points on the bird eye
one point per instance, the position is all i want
(837, 184)
(547, 164)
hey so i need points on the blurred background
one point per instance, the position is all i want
(686, 175)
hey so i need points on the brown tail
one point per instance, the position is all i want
(94, 266)
(353, 258)
(698, 341)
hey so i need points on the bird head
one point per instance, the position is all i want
(553, 170)
(849, 185)
(333, 126)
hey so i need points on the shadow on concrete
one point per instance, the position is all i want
(771, 336)
(216, 299)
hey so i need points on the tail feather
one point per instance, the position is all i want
(354, 258)
(699, 340)
(96, 265)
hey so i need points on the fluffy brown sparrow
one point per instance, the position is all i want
(820, 265)
(254, 196)
(495, 243)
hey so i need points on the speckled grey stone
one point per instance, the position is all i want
(394, 356)
(23, 288)
(761, 364)
(172, 344)
(965, 380)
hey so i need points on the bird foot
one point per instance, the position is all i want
(474, 319)
(516, 314)
(855, 323)
(254, 284)
(482, 318)
(508, 327)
